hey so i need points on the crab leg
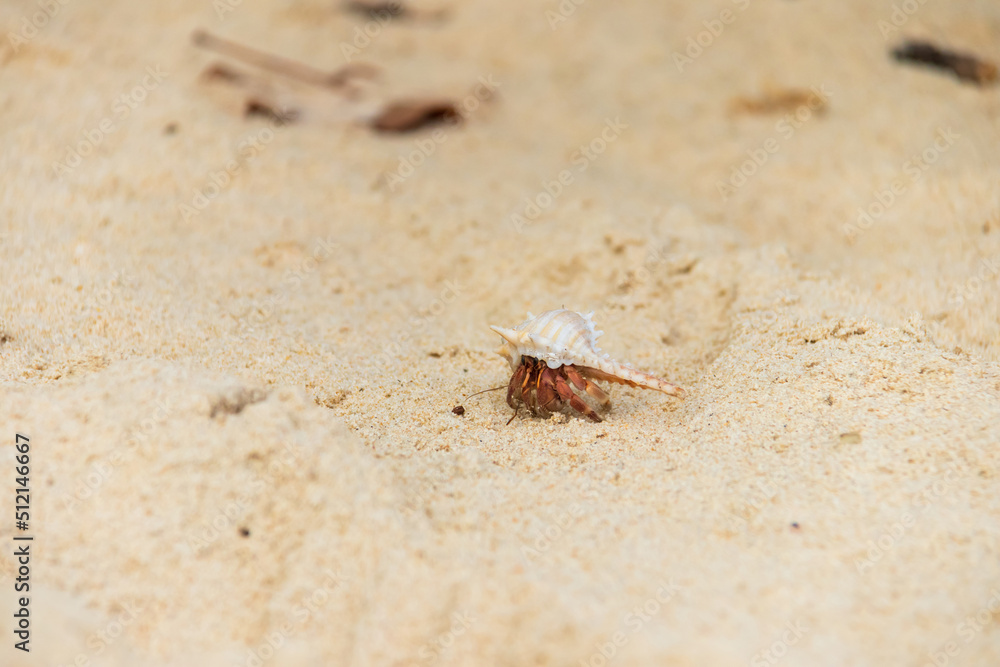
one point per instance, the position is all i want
(586, 385)
(525, 393)
(513, 390)
(513, 415)
(566, 394)
(546, 391)
(536, 380)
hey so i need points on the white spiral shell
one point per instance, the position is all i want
(567, 338)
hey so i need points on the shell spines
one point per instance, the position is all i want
(563, 338)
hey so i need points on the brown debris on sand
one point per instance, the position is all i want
(965, 66)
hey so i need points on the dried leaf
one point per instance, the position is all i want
(778, 100)
(410, 114)
(257, 107)
(377, 9)
(223, 73)
(386, 10)
(965, 66)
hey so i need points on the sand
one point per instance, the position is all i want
(236, 345)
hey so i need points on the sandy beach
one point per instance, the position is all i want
(239, 307)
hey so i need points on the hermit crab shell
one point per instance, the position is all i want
(567, 338)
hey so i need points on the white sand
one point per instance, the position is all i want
(236, 447)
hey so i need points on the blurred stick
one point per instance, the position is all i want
(283, 66)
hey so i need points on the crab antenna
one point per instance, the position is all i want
(481, 392)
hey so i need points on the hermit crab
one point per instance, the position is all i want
(555, 352)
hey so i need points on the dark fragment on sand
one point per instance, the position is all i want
(261, 108)
(410, 115)
(223, 73)
(377, 9)
(779, 100)
(965, 66)
(384, 11)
